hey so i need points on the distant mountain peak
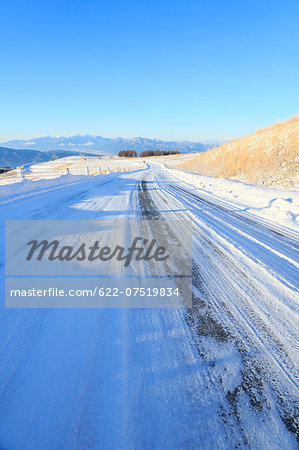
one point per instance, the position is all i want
(101, 145)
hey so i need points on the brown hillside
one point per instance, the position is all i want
(268, 156)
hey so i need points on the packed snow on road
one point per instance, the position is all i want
(220, 374)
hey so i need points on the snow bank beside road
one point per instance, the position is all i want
(24, 187)
(278, 205)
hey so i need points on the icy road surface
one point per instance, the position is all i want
(220, 375)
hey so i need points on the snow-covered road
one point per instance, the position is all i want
(220, 375)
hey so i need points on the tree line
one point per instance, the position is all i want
(146, 153)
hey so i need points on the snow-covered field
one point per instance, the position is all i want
(222, 374)
(73, 165)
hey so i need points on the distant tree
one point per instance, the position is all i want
(5, 169)
(127, 153)
(147, 153)
(170, 152)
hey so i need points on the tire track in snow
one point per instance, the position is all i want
(235, 291)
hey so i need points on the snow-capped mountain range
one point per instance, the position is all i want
(100, 145)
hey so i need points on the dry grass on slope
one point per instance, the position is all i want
(268, 156)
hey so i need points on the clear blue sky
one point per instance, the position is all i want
(172, 69)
